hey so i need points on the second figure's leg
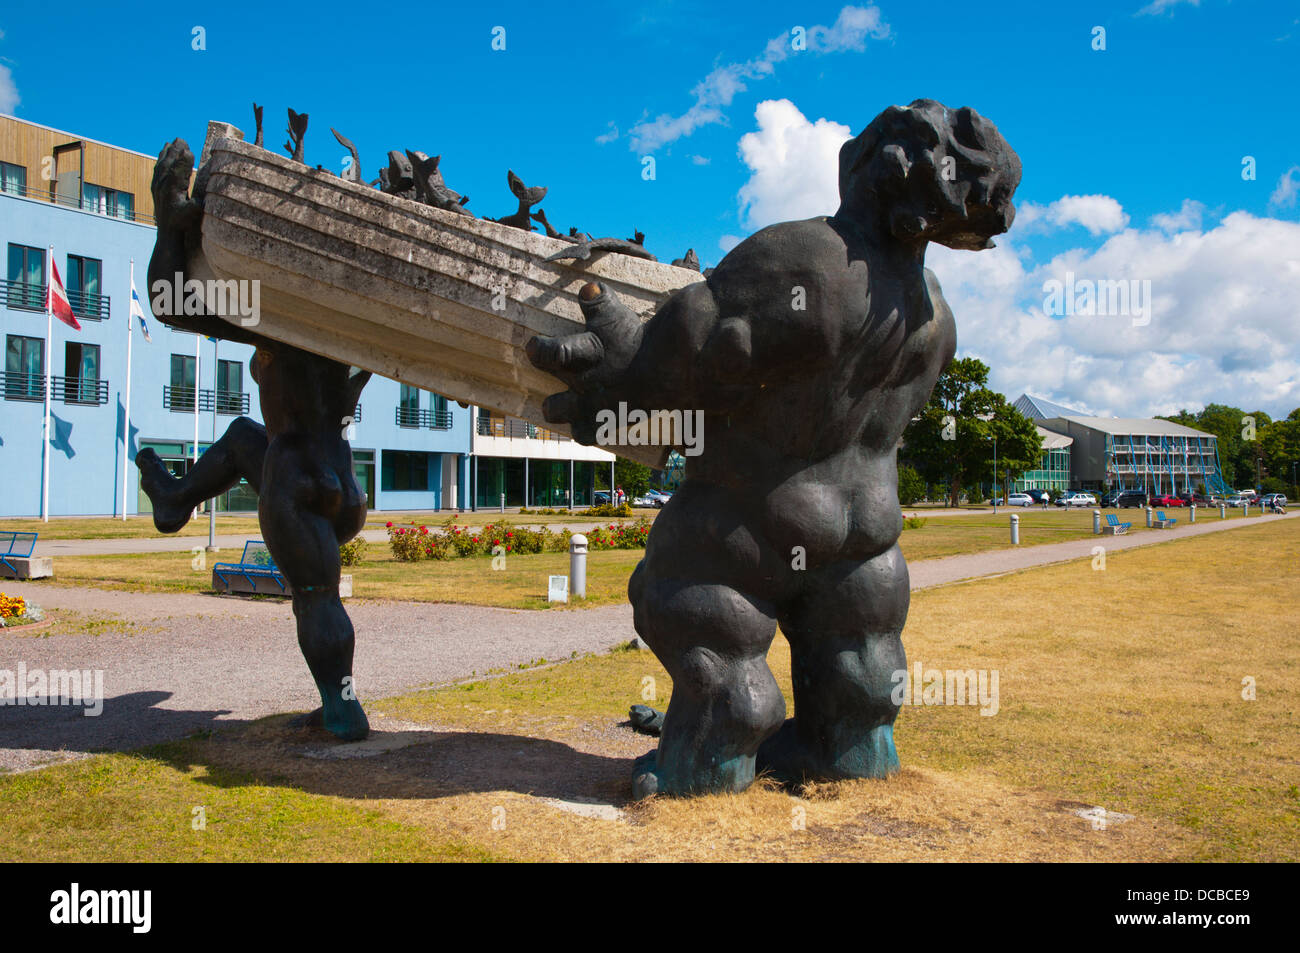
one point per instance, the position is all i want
(239, 452)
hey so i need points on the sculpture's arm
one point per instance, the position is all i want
(179, 216)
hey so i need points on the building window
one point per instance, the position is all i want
(106, 201)
(84, 288)
(180, 395)
(230, 387)
(25, 287)
(24, 368)
(13, 178)
(408, 407)
(405, 471)
(81, 373)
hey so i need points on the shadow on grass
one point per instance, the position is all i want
(416, 764)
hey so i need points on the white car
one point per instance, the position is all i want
(1077, 499)
(1020, 499)
(1239, 500)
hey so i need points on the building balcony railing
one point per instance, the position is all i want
(419, 417)
(26, 296)
(181, 400)
(110, 210)
(70, 390)
(356, 415)
(87, 304)
(514, 427)
(23, 295)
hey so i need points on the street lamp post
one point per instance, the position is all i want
(995, 474)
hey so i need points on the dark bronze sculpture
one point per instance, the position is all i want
(299, 463)
(809, 348)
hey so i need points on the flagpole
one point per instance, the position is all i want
(198, 340)
(216, 394)
(49, 389)
(126, 426)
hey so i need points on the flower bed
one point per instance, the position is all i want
(15, 611)
(411, 542)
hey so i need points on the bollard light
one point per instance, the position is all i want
(1149, 524)
(578, 566)
(1193, 512)
(503, 502)
(1015, 530)
(1096, 522)
(1223, 510)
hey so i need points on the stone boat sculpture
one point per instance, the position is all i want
(439, 300)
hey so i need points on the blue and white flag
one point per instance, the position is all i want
(137, 311)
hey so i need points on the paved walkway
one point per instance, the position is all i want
(193, 662)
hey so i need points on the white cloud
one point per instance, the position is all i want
(609, 135)
(1187, 217)
(1221, 326)
(850, 31)
(700, 160)
(793, 165)
(1096, 213)
(1157, 7)
(8, 91)
(1284, 196)
(728, 242)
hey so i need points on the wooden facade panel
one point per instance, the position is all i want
(28, 145)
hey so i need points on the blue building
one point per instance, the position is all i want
(90, 201)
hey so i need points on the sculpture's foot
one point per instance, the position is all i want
(788, 759)
(344, 718)
(169, 514)
(729, 777)
(645, 782)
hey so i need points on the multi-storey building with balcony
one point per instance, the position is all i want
(90, 201)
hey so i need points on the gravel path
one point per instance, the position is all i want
(192, 662)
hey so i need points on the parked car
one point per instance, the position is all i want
(1019, 499)
(659, 497)
(1268, 499)
(1038, 496)
(601, 497)
(1164, 499)
(1239, 500)
(1188, 498)
(1122, 499)
(1077, 499)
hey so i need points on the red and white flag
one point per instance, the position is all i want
(59, 300)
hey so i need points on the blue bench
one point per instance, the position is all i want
(1116, 527)
(256, 571)
(16, 559)
(1164, 522)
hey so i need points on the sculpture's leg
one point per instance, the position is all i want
(239, 452)
(713, 640)
(846, 646)
(302, 504)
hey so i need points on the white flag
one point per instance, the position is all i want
(138, 312)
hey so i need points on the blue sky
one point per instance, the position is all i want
(1152, 129)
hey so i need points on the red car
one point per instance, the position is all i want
(1166, 500)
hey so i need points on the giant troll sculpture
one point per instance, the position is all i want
(809, 348)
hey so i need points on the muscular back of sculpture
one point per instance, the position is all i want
(809, 348)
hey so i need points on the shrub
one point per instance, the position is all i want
(352, 552)
(913, 522)
(607, 510)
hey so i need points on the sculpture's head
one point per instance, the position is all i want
(933, 174)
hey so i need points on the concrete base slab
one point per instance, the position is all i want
(27, 567)
(266, 586)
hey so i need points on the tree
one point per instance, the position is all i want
(633, 477)
(952, 440)
(910, 485)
